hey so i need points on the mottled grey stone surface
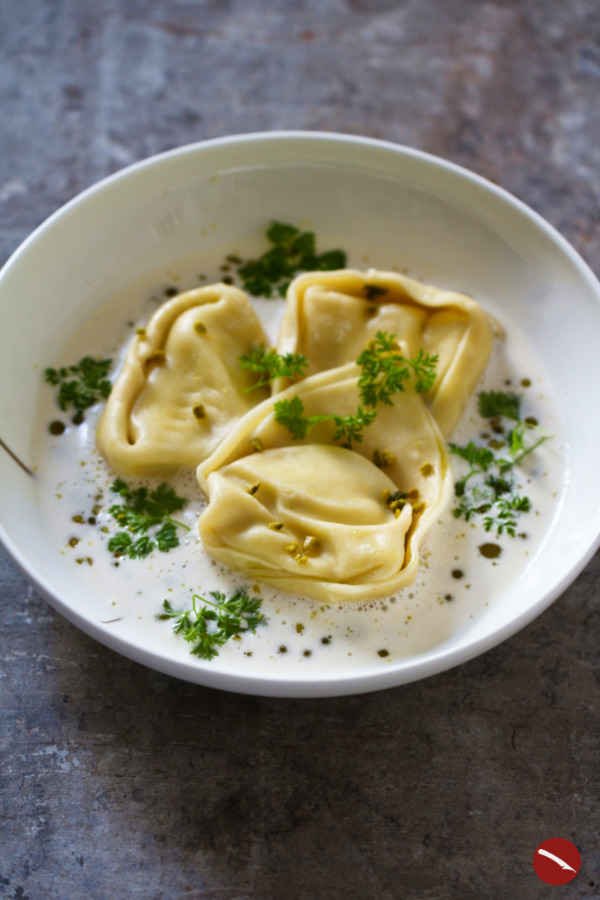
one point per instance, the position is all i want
(117, 782)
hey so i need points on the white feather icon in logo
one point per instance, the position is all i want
(564, 865)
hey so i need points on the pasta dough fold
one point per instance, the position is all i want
(307, 516)
(181, 387)
(331, 316)
(316, 524)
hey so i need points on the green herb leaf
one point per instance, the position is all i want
(280, 233)
(505, 513)
(478, 458)
(499, 403)
(209, 626)
(81, 385)
(166, 537)
(120, 544)
(489, 487)
(292, 251)
(290, 414)
(330, 261)
(147, 513)
(350, 428)
(270, 365)
(385, 370)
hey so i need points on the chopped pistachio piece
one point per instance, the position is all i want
(311, 545)
(158, 358)
(383, 459)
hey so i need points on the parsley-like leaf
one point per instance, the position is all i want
(166, 537)
(120, 544)
(489, 487)
(385, 370)
(505, 514)
(499, 403)
(148, 514)
(478, 458)
(270, 365)
(209, 626)
(81, 385)
(350, 428)
(290, 414)
(291, 251)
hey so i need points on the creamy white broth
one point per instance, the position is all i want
(73, 480)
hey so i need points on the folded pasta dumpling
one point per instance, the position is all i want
(316, 478)
(181, 388)
(309, 519)
(331, 316)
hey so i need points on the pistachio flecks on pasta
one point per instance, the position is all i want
(309, 488)
(317, 524)
(181, 387)
(331, 316)
(319, 511)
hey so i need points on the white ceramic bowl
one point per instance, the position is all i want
(451, 225)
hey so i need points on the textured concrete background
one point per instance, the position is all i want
(117, 782)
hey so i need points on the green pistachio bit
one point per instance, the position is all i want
(311, 546)
(383, 459)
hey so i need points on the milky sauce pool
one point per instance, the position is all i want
(456, 581)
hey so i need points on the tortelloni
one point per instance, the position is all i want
(331, 316)
(311, 520)
(327, 517)
(315, 518)
(182, 388)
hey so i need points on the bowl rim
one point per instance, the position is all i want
(408, 669)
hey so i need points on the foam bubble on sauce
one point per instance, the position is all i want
(301, 635)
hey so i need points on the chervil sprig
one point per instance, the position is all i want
(81, 385)
(209, 626)
(291, 251)
(385, 370)
(350, 428)
(499, 403)
(269, 364)
(506, 511)
(147, 514)
(290, 414)
(489, 487)
(478, 458)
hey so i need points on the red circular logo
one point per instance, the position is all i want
(557, 861)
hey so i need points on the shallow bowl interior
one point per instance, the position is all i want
(380, 202)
